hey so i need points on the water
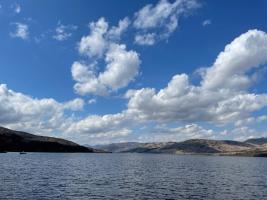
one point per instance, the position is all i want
(131, 176)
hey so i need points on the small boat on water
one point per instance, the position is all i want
(22, 152)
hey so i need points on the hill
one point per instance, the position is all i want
(17, 141)
(194, 146)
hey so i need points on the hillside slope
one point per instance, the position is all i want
(194, 146)
(17, 141)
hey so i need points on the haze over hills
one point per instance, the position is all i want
(17, 141)
(255, 147)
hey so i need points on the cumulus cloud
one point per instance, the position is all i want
(122, 65)
(161, 19)
(74, 105)
(94, 44)
(116, 31)
(63, 32)
(232, 66)
(87, 81)
(47, 117)
(180, 101)
(251, 120)
(177, 134)
(23, 112)
(221, 98)
(21, 31)
(99, 124)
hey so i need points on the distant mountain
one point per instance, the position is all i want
(194, 146)
(117, 147)
(17, 141)
(257, 141)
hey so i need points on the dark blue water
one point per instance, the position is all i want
(131, 176)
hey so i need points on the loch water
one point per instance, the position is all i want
(72, 176)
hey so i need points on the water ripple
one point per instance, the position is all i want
(131, 177)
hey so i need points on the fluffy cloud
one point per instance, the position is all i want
(122, 65)
(74, 105)
(26, 113)
(87, 82)
(63, 32)
(251, 120)
(221, 98)
(116, 31)
(21, 31)
(232, 66)
(180, 133)
(94, 44)
(48, 117)
(163, 16)
(100, 124)
(183, 102)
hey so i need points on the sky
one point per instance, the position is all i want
(107, 71)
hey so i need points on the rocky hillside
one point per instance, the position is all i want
(16, 141)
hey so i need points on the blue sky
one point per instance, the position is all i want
(113, 71)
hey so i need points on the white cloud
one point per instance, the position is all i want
(163, 16)
(183, 102)
(23, 112)
(232, 66)
(145, 39)
(116, 31)
(21, 31)
(94, 44)
(177, 134)
(206, 22)
(93, 125)
(122, 65)
(216, 101)
(87, 82)
(221, 98)
(63, 32)
(243, 133)
(251, 120)
(74, 105)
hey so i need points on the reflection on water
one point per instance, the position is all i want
(131, 176)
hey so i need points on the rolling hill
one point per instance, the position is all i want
(17, 141)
